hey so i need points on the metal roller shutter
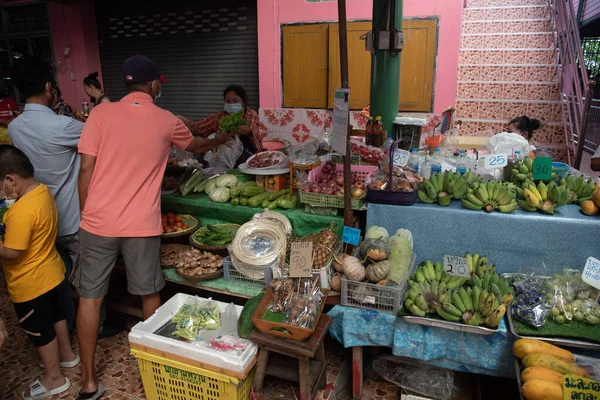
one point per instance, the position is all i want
(201, 47)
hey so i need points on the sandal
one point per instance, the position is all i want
(94, 395)
(37, 391)
(68, 364)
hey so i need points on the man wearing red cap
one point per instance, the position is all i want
(124, 149)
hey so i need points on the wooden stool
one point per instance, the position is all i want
(310, 372)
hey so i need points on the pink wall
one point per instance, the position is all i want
(273, 13)
(74, 25)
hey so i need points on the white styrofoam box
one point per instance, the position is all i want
(143, 334)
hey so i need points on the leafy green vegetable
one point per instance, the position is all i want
(230, 123)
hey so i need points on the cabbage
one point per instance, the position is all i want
(210, 187)
(220, 195)
(377, 232)
(401, 255)
(226, 180)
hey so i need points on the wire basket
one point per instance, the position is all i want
(255, 278)
(387, 299)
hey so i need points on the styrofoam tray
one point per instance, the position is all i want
(142, 334)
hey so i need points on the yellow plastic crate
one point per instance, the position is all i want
(166, 379)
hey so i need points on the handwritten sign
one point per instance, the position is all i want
(591, 272)
(401, 157)
(496, 161)
(301, 259)
(576, 387)
(351, 235)
(542, 168)
(457, 266)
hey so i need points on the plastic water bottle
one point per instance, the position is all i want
(414, 159)
(461, 166)
(436, 162)
(388, 143)
(425, 171)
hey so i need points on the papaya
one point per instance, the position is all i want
(596, 197)
(542, 373)
(554, 363)
(522, 347)
(588, 207)
(537, 389)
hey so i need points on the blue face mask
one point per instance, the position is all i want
(233, 108)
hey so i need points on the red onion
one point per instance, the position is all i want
(307, 189)
(329, 190)
(316, 188)
(332, 184)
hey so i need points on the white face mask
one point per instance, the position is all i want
(8, 202)
(233, 108)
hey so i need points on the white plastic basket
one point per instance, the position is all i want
(230, 273)
(142, 337)
(386, 299)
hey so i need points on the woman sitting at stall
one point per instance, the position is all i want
(93, 88)
(235, 100)
(524, 126)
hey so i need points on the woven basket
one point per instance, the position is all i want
(220, 250)
(193, 225)
(199, 278)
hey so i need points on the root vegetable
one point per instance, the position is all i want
(336, 283)
(339, 180)
(353, 269)
(357, 193)
(338, 260)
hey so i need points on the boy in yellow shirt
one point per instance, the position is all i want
(34, 271)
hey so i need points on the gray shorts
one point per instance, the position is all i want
(98, 255)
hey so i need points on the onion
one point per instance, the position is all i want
(339, 180)
(329, 191)
(319, 179)
(307, 189)
(357, 193)
(316, 188)
(339, 193)
(360, 185)
(332, 184)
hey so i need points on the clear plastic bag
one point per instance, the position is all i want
(303, 311)
(225, 155)
(572, 299)
(529, 305)
(229, 320)
(188, 320)
(374, 249)
(432, 382)
(229, 344)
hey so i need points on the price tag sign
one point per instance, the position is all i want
(542, 168)
(301, 259)
(351, 235)
(591, 272)
(401, 157)
(496, 161)
(457, 266)
(341, 108)
(576, 387)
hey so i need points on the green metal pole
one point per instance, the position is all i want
(385, 67)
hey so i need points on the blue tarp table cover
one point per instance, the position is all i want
(460, 351)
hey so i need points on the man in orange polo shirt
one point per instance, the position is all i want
(124, 149)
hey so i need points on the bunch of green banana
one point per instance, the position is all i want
(544, 198)
(445, 186)
(524, 170)
(495, 285)
(490, 196)
(478, 265)
(580, 189)
(428, 288)
(472, 306)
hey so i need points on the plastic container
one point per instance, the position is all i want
(436, 162)
(142, 338)
(414, 160)
(387, 299)
(461, 165)
(561, 169)
(230, 273)
(409, 131)
(164, 378)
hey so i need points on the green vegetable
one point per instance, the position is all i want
(401, 253)
(191, 183)
(265, 203)
(220, 195)
(244, 200)
(226, 180)
(256, 201)
(250, 191)
(245, 325)
(237, 189)
(230, 123)
(377, 232)
(211, 186)
(288, 202)
(276, 195)
(235, 201)
(273, 205)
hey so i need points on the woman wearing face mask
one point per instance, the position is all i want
(235, 100)
(93, 88)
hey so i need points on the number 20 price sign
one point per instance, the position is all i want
(457, 266)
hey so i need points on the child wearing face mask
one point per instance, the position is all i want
(34, 271)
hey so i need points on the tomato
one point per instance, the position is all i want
(171, 215)
(179, 224)
(185, 227)
(171, 221)
(178, 218)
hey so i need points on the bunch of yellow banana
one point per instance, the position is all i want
(543, 198)
(580, 189)
(428, 287)
(490, 196)
(445, 186)
(524, 170)
(478, 265)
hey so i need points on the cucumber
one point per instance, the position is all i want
(256, 201)
(237, 190)
(192, 182)
(265, 203)
(273, 205)
(287, 202)
(245, 326)
(250, 191)
(235, 201)
(244, 200)
(276, 195)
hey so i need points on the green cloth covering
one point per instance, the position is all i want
(235, 287)
(209, 212)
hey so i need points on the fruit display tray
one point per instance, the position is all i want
(581, 344)
(453, 326)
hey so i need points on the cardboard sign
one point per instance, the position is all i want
(351, 236)
(577, 387)
(457, 266)
(591, 272)
(542, 168)
(401, 157)
(301, 259)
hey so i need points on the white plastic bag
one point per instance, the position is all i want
(507, 143)
(225, 155)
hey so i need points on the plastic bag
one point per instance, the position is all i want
(572, 299)
(432, 382)
(188, 320)
(529, 305)
(229, 320)
(225, 155)
(229, 344)
(303, 311)
(305, 152)
(507, 143)
(375, 249)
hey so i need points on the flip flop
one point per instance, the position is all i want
(92, 396)
(68, 364)
(37, 391)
